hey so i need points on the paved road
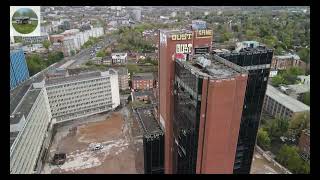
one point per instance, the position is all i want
(84, 55)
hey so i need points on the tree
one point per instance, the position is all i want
(277, 127)
(263, 138)
(304, 54)
(277, 80)
(306, 98)
(289, 157)
(72, 52)
(46, 44)
(299, 123)
(35, 64)
(101, 53)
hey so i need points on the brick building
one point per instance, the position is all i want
(304, 144)
(142, 81)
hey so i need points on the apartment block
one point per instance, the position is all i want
(35, 39)
(142, 81)
(83, 94)
(30, 131)
(123, 77)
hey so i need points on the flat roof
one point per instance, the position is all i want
(149, 123)
(287, 101)
(143, 76)
(121, 70)
(83, 76)
(25, 106)
(218, 69)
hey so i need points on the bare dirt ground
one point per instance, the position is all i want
(260, 165)
(121, 153)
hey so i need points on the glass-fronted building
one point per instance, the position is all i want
(18, 68)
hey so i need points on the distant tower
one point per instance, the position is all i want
(18, 68)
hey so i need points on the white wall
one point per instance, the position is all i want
(115, 90)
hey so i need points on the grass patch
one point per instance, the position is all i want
(25, 28)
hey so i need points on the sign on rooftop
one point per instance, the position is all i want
(198, 25)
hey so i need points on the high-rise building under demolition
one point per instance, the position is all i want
(184, 151)
(208, 102)
(257, 61)
(180, 43)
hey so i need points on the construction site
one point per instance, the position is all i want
(108, 143)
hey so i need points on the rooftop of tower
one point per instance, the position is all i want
(212, 66)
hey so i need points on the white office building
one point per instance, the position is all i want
(83, 95)
(30, 131)
(35, 39)
(119, 58)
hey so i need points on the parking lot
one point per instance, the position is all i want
(119, 153)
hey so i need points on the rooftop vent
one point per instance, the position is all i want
(203, 62)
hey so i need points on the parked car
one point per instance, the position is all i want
(59, 158)
(95, 147)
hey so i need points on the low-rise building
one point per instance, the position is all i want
(281, 105)
(83, 94)
(35, 39)
(57, 38)
(142, 81)
(304, 144)
(119, 58)
(123, 77)
(30, 131)
(287, 61)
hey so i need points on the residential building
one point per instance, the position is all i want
(57, 38)
(35, 39)
(119, 58)
(57, 73)
(30, 131)
(144, 96)
(142, 81)
(257, 61)
(287, 61)
(83, 94)
(281, 105)
(123, 77)
(304, 144)
(18, 67)
(137, 14)
(173, 43)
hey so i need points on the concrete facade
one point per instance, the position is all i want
(82, 95)
(281, 105)
(30, 129)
